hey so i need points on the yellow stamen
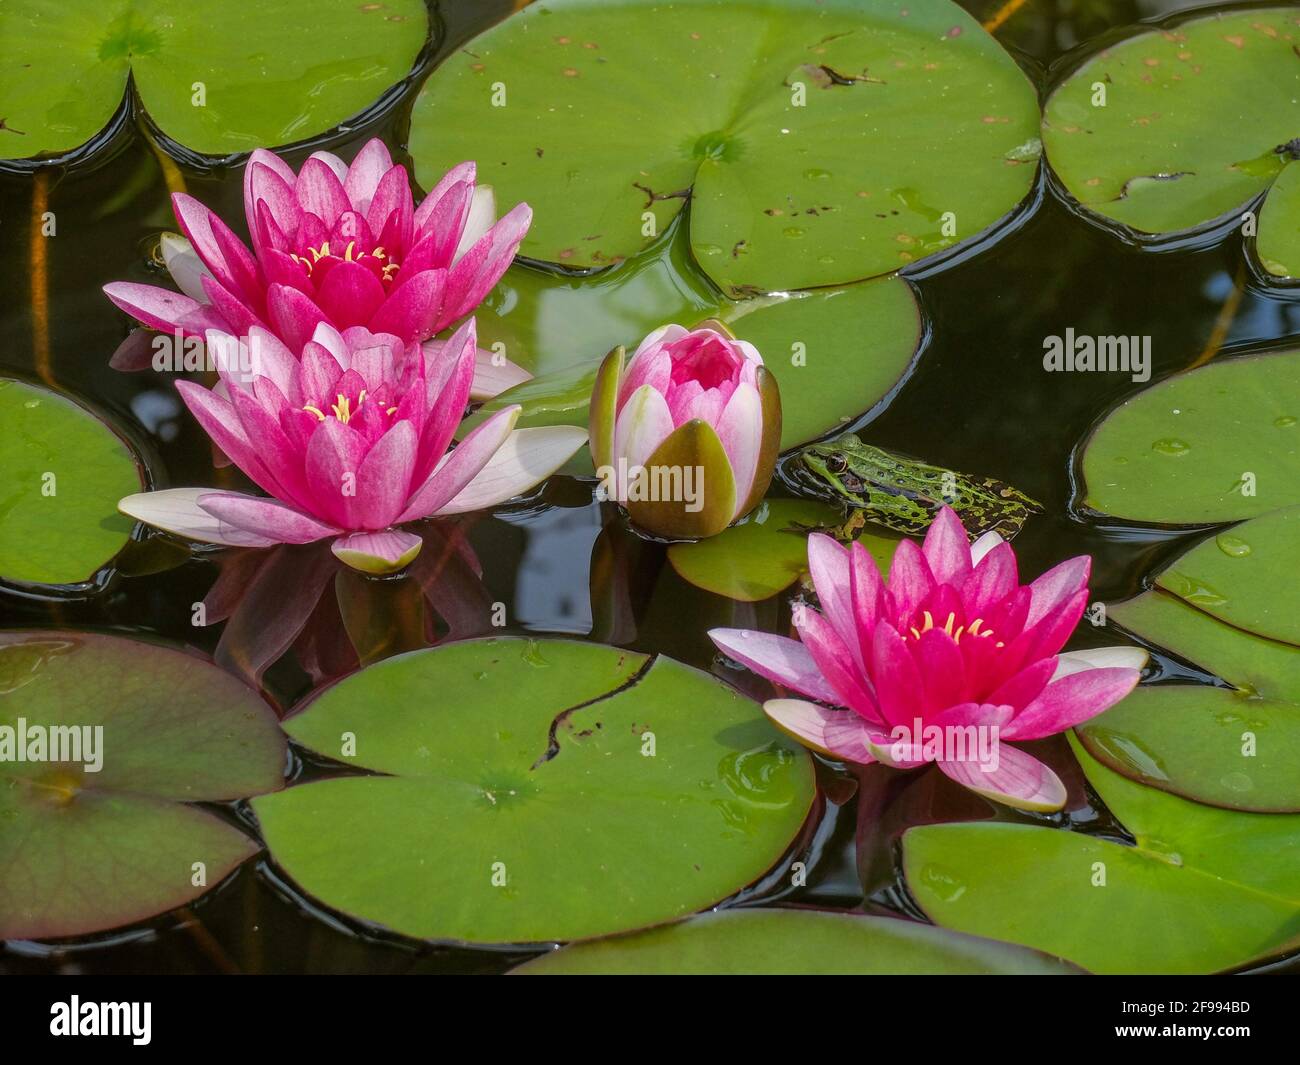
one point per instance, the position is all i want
(347, 252)
(947, 625)
(319, 253)
(378, 252)
(316, 411)
(342, 409)
(391, 410)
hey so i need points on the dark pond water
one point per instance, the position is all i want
(978, 400)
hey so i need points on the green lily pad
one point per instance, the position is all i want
(835, 353)
(758, 558)
(87, 849)
(1243, 575)
(1217, 444)
(65, 471)
(1188, 128)
(1236, 748)
(1203, 890)
(216, 77)
(793, 942)
(816, 147)
(519, 805)
(1277, 244)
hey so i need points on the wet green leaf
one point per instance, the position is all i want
(1178, 126)
(794, 942)
(1277, 245)
(214, 76)
(835, 353)
(1236, 748)
(1204, 889)
(753, 111)
(1217, 444)
(85, 849)
(767, 553)
(1244, 575)
(65, 471)
(521, 803)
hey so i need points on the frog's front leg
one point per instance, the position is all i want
(845, 532)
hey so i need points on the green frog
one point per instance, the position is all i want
(901, 493)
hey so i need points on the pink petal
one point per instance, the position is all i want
(1020, 781)
(493, 374)
(1099, 658)
(264, 517)
(320, 192)
(828, 564)
(527, 458)
(942, 668)
(392, 209)
(993, 579)
(378, 552)
(776, 658)
(947, 548)
(1070, 701)
(462, 465)
(414, 310)
(334, 458)
(384, 482)
(1024, 687)
(269, 178)
(176, 510)
(293, 315)
(158, 308)
(897, 681)
(837, 733)
(461, 172)
(370, 164)
(835, 662)
(910, 581)
(350, 294)
(474, 276)
(1056, 587)
(741, 431)
(641, 426)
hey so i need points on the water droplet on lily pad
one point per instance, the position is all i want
(1171, 446)
(1284, 421)
(942, 882)
(1233, 546)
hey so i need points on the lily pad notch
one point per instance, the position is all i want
(214, 78)
(817, 145)
(535, 791)
(1182, 127)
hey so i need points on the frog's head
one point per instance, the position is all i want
(827, 471)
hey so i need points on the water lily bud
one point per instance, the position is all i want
(686, 434)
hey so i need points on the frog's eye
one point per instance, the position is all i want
(837, 464)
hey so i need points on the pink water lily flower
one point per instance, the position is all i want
(350, 442)
(338, 244)
(951, 651)
(686, 435)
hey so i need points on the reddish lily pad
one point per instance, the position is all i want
(536, 790)
(794, 942)
(85, 849)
